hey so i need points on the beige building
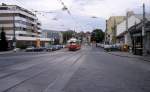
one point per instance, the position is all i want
(21, 24)
(111, 25)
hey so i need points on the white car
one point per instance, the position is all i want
(30, 48)
(107, 46)
(98, 44)
(102, 45)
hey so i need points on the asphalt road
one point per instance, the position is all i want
(87, 70)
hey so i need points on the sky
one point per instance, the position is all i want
(86, 15)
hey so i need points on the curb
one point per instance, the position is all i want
(144, 59)
(7, 52)
(141, 58)
(121, 55)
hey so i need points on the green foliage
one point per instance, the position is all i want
(3, 41)
(21, 46)
(56, 41)
(97, 35)
(50, 42)
(67, 35)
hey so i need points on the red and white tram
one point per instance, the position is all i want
(74, 44)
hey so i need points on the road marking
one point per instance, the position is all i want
(61, 81)
(12, 81)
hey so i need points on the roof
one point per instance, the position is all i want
(47, 30)
(73, 40)
(21, 8)
(21, 38)
(140, 16)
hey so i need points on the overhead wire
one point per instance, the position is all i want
(65, 8)
(36, 11)
(69, 12)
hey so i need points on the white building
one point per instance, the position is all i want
(122, 34)
(56, 36)
(25, 23)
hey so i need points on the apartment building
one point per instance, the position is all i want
(21, 22)
(111, 24)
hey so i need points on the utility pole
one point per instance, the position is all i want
(14, 32)
(127, 22)
(128, 33)
(105, 42)
(143, 31)
(14, 28)
(114, 34)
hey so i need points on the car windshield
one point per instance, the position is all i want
(74, 45)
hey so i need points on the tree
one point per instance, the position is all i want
(67, 35)
(97, 35)
(3, 41)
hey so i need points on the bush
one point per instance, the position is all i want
(3, 41)
(21, 46)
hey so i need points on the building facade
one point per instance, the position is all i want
(21, 23)
(138, 38)
(111, 23)
(123, 36)
(56, 36)
(132, 36)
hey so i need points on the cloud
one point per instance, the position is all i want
(64, 21)
(81, 11)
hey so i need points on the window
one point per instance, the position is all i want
(3, 8)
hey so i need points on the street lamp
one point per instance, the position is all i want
(14, 28)
(14, 32)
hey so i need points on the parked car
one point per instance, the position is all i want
(30, 49)
(113, 47)
(59, 46)
(98, 44)
(54, 47)
(48, 49)
(102, 45)
(107, 47)
(39, 49)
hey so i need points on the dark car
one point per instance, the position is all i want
(40, 49)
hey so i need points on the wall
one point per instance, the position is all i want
(148, 42)
(111, 27)
(122, 26)
(128, 40)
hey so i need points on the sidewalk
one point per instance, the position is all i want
(130, 55)
(6, 52)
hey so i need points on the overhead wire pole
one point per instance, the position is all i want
(143, 31)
